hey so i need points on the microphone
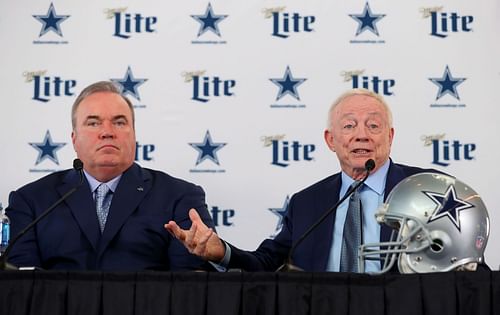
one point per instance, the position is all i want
(4, 264)
(288, 266)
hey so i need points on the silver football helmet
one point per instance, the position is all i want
(439, 224)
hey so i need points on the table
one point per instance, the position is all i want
(185, 293)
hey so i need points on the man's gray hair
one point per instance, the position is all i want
(358, 92)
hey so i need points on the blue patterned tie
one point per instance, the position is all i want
(102, 202)
(352, 233)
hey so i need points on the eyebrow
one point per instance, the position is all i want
(114, 117)
(120, 117)
(92, 117)
(97, 117)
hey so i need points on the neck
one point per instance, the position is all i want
(105, 174)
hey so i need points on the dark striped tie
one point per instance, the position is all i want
(352, 236)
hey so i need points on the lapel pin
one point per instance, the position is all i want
(140, 188)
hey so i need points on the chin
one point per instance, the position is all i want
(107, 163)
(360, 161)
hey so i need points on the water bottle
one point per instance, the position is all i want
(4, 230)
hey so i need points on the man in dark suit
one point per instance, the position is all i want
(359, 128)
(114, 221)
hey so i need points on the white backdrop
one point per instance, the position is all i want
(224, 90)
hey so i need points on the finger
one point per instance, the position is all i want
(201, 246)
(194, 216)
(191, 236)
(175, 230)
(204, 237)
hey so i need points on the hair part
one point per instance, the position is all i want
(101, 86)
(353, 92)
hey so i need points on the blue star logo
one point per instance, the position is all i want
(209, 21)
(288, 84)
(207, 149)
(129, 84)
(47, 149)
(51, 21)
(448, 205)
(280, 213)
(367, 20)
(447, 84)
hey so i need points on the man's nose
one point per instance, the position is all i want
(361, 132)
(107, 130)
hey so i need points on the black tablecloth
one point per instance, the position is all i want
(56, 292)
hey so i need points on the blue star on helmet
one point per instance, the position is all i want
(448, 205)
(209, 21)
(447, 84)
(51, 21)
(129, 84)
(288, 84)
(280, 213)
(207, 149)
(47, 149)
(367, 20)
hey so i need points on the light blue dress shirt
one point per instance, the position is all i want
(372, 196)
(94, 183)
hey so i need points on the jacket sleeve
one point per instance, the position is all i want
(25, 251)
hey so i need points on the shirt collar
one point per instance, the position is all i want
(94, 183)
(376, 181)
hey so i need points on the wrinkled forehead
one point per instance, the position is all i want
(363, 116)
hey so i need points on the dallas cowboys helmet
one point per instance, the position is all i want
(439, 224)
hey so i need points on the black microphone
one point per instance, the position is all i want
(4, 265)
(288, 266)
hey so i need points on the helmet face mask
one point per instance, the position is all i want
(439, 224)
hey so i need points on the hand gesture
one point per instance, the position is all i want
(199, 240)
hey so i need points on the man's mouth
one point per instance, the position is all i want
(107, 146)
(361, 151)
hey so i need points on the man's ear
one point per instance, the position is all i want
(329, 139)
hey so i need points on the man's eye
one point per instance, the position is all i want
(374, 128)
(92, 123)
(349, 126)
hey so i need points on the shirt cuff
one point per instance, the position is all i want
(222, 265)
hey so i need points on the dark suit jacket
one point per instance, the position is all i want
(304, 209)
(134, 237)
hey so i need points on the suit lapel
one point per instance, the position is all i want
(323, 237)
(131, 189)
(82, 207)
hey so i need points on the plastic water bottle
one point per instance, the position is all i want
(4, 230)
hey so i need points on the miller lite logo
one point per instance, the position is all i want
(222, 217)
(285, 152)
(374, 83)
(204, 88)
(128, 24)
(144, 152)
(285, 24)
(445, 151)
(46, 87)
(445, 23)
